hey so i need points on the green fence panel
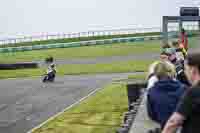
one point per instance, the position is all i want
(18, 49)
(1, 50)
(65, 45)
(115, 40)
(99, 42)
(4, 50)
(14, 49)
(123, 40)
(131, 39)
(28, 48)
(107, 41)
(139, 39)
(76, 44)
(37, 47)
(61, 45)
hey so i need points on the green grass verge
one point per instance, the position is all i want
(139, 76)
(114, 67)
(100, 113)
(83, 52)
(53, 41)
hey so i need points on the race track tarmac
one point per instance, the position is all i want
(26, 103)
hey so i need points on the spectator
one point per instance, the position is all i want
(163, 97)
(187, 113)
(166, 45)
(180, 52)
(183, 39)
(171, 53)
(152, 79)
(164, 56)
(179, 65)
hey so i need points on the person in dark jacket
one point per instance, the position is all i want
(163, 97)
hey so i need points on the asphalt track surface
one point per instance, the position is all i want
(26, 103)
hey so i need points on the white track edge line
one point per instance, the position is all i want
(59, 113)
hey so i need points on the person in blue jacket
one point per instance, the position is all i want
(163, 97)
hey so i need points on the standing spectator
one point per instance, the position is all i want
(164, 56)
(180, 52)
(163, 97)
(179, 65)
(184, 39)
(166, 45)
(187, 113)
(152, 79)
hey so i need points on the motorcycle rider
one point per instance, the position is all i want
(51, 73)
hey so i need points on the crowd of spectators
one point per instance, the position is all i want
(173, 98)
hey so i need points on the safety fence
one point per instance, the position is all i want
(85, 43)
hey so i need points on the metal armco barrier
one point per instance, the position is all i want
(18, 66)
(82, 43)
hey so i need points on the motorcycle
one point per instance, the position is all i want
(50, 77)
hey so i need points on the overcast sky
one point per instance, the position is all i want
(31, 17)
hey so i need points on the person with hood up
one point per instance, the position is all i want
(163, 97)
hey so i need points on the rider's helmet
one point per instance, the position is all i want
(52, 65)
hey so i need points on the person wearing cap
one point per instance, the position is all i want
(179, 65)
(171, 52)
